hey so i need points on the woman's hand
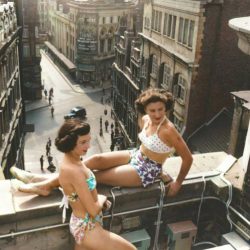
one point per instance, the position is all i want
(173, 189)
(107, 205)
(102, 199)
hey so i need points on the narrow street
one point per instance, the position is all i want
(65, 98)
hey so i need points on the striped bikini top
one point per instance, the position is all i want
(153, 142)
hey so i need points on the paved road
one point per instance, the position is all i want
(66, 96)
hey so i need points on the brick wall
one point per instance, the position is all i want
(222, 66)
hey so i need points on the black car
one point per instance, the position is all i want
(76, 112)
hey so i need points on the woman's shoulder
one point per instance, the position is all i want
(70, 171)
(168, 128)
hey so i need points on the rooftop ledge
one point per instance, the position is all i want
(242, 26)
(34, 222)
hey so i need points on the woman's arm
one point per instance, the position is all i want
(176, 140)
(93, 207)
(141, 120)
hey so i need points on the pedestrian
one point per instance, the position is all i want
(106, 125)
(41, 162)
(47, 150)
(100, 121)
(50, 159)
(51, 167)
(112, 147)
(112, 125)
(50, 99)
(112, 134)
(45, 93)
(105, 111)
(103, 91)
(116, 131)
(49, 142)
(52, 111)
(51, 92)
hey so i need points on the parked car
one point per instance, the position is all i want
(76, 112)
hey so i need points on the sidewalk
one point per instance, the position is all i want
(37, 104)
(78, 88)
(104, 141)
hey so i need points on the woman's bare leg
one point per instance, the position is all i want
(125, 176)
(107, 160)
(94, 240)
(98, 161)
(28, 177)
(42, 188)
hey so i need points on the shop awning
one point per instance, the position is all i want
(60, 56)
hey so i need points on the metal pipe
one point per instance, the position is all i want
(13, 234)
(240, 215)
(166, 205)
(161, 203)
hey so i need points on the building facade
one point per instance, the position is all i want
(31, 16)
(84, 32)
(126, 77)
(187, 48)
(11, 107)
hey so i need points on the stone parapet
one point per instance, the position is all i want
(33, 222)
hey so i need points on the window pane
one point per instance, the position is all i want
(180, 30)
(165, 24)
(169, 25)
(191, 34)
(173, 27)
(160, 18)
(153, 19)
(185, 36)
(26, 51)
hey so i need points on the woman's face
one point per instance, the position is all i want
(156, 111)
(82, 144)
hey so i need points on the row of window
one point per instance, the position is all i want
(175, 84)
(13, 96)
(124, 99)
(180, 29)
(8, 21)
(8, 65)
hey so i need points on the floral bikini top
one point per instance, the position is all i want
(73, 197)
(153, 142)
(91, 182)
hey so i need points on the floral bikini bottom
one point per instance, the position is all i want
(78, 226)
(147, 169)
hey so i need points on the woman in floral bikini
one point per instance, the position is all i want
(79, 187)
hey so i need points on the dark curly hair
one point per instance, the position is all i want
(154, 95)
(68, 134)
